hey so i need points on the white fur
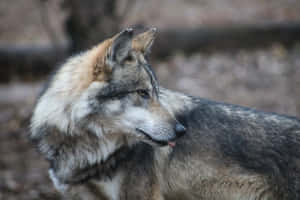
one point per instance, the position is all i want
(51, 110)
(57, 184)
(111, 187)
(135, 116)
(114, 106)
(63, 111)
(95, 128)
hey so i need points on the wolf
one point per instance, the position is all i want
(109, 131)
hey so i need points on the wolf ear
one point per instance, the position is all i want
(121, 46)
(143, 42)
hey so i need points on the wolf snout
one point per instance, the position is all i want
(179, 130)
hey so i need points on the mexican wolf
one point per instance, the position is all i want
(108, 131)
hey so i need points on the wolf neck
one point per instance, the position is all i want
(104, 170)
(84, 156)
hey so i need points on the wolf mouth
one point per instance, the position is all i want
(159, 142)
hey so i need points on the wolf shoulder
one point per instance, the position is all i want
(201, 111)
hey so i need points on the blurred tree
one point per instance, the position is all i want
(90, 21)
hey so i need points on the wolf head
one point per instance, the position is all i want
(108, 91)
(98, 101)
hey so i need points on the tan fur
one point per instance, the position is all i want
(82, 72)
(86, 68)
(100, 71)
(143, 41)
(69, 83)
(156, 192)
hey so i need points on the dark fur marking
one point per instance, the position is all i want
(56, 146)
(104, 170)
(116, 90)
(123, 157)
(153, 78)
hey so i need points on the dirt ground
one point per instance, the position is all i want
(23, 172)
(265, 78)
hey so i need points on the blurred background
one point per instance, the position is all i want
(244, 52)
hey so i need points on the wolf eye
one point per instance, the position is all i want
(144, 94)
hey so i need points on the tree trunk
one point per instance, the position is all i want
(90, 21)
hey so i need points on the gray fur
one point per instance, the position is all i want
(109, 140)
(240, 149)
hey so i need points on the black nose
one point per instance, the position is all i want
(179, 130)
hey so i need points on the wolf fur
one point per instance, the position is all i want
(108, 131)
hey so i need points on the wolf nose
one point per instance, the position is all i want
(179, 130)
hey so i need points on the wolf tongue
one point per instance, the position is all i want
(172, 144)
